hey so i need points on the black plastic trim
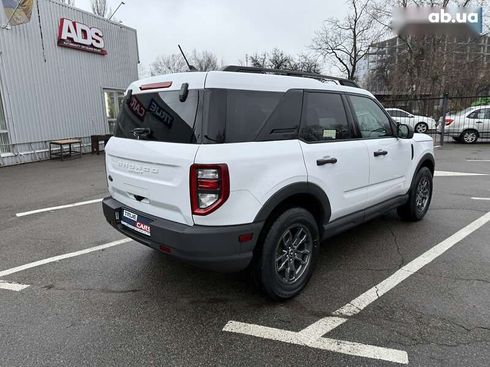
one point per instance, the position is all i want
(351, 220)
(297, 188)
(212, 247)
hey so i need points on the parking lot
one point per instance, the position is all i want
(73, 291)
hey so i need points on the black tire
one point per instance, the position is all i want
(417, 206)
(469, 136)
(266, 272)
(421, 128)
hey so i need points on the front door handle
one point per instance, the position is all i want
(380, 152)
(324, 161)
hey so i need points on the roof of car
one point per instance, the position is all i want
(241, 81)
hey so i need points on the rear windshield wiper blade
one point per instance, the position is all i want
(141, 132)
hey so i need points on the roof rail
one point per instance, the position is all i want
(258, 70)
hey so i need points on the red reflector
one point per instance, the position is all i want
(245, 237)
(449, 121)
(165, 249)
(156, 85)
(207, 184)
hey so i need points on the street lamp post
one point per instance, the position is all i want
(115, 11)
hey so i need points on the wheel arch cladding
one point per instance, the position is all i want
(428, 161)
(302, 194)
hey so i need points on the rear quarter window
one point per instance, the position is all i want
(232, 116)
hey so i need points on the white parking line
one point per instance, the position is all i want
(484, 199)
(478, 160)
(12, 286)
(312, 335)
(62, 257)
(58, 207)
(456, 174)
(332, 345)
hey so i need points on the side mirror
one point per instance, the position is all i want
(404, 131)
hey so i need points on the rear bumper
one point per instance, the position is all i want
(214, 248)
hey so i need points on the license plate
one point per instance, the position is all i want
(136, 222)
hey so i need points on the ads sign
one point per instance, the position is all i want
(80, 37)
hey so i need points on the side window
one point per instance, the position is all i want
(483, 113)
(394, 113)
(283, 123)
(233, 116)
(372, 121)
(403, 114)
(474, 114)
(324, 118)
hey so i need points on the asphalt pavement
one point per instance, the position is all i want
(128, 305)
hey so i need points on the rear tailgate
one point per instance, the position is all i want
(159, 186)
(155, 144)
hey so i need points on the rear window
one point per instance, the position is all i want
(232, 116)
(159, 117)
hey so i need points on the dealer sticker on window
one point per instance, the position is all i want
(136, 222)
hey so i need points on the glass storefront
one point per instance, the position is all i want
(113, 100)
(4, 137)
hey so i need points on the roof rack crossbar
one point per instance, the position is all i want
(258, 70)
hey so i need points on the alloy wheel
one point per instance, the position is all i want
(421, 128)
(469, 137)
(423, 194)
(293, 253)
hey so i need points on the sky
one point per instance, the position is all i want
(229, 28)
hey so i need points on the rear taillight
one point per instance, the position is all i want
(449, 121)
(209, 187)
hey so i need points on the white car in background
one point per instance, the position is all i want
(421, 124)
(469, 125)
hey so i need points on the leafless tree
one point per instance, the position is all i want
(175, 63)
(307, 63)
(143, 71)
(345, 42)
(278, 59)
(100, 8)
(204, 61)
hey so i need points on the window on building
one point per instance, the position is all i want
(113, 100)
(4, 137)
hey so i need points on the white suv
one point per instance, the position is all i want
(244, 168)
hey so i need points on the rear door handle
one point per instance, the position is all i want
(324, 161)
(380, 152)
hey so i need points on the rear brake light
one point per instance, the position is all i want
(156, 86)
(209, 187)
(449, 121)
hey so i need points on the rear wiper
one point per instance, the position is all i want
(141, 132)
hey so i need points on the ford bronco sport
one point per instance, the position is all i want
(252, 168)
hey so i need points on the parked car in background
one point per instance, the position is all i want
(469, 125)
(421, 124)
